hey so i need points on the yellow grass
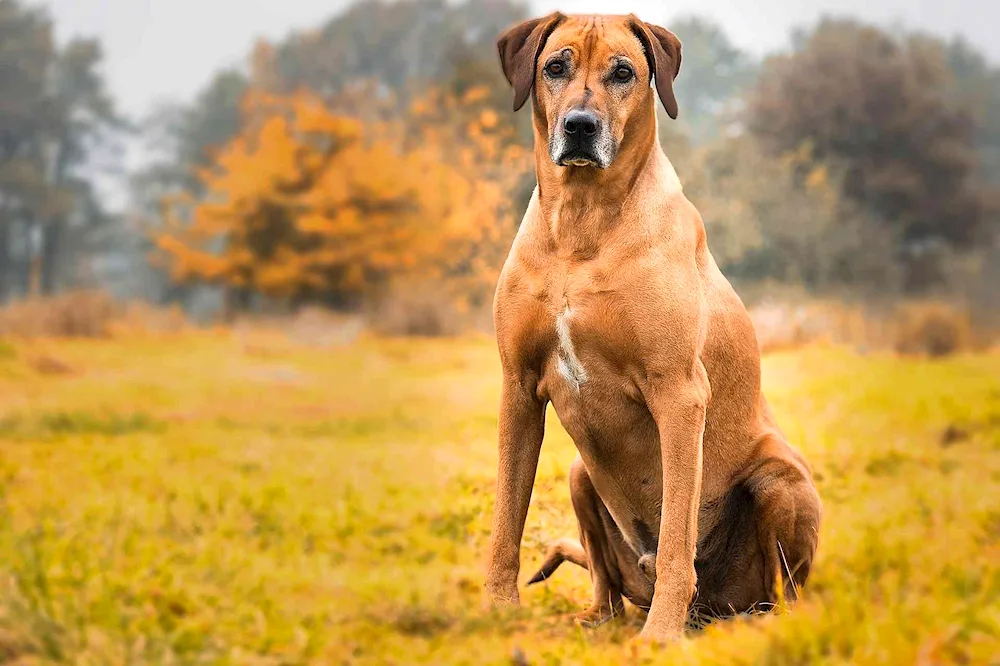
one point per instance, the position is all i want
(214, 498)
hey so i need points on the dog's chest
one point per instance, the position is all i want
(568, 364)
(583, 330)
(579, 325)
(591, 378)
(589, 332)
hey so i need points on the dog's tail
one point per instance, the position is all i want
(563, 550)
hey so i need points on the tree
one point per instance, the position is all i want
(87, 120)
(885, 110)
(713, 76)
(185, 138)
(25, 115)
(306, 204)
(402, 45)
(979, 84)
(53, 108)
(369, 61)
(783, 219)
(182, 140)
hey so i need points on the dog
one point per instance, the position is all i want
(611, 307)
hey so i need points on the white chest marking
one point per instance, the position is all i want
(569, 365)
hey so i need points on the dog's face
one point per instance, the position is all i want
(591, 77)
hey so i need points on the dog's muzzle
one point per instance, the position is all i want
(581, 140)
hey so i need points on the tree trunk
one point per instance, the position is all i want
(22, 265)
(5, 261)
(237, 301)
(51, 241)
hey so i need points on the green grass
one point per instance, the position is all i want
(208, 499)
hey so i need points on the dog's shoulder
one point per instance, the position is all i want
(521, 287)
(673, 223)
(526, 251)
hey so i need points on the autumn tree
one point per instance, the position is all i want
(311, 205)
(884, 109)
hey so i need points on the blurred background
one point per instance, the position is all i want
(258, 158)
(248, 384)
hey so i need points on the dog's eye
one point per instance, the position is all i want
(555, 68)
(623, 73)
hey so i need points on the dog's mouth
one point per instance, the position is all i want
(578, 159)
(581, 152)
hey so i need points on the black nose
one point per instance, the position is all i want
(584, 122)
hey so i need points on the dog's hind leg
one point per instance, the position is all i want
(761, 548)
(788, 520)
(595, 527)
(613, 565)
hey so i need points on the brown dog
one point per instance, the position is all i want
(611, 307)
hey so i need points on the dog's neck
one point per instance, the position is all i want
(581, 205)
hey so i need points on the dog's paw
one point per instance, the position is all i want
(502, 597)
(596, 616)
(646, 640)
(658, 633)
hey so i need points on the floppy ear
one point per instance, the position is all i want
(519, 49)
(663, 53)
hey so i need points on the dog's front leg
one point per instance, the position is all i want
(678, 405)
(521, 429)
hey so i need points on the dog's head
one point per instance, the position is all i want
(590, 76)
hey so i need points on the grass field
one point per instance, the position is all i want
(208, 498)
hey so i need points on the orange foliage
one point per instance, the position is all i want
(308, 203)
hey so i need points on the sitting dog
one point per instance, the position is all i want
(611, 307)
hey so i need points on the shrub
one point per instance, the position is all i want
(139, 318)
(86, 314)
(786, 326)
(318, 327)
(917, 328)
(932, 329)
(425, 309)
(80, 314)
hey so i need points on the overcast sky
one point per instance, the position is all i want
(168, 49)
